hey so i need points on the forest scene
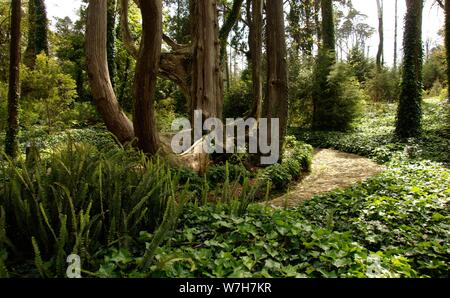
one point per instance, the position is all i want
(224, 139)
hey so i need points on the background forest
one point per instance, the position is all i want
(86, 113)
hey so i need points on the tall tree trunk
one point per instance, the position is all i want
(410, 107)
(14, 80)
(396, 35)
(277, 82)
(256, 43)
(97, 64)
(447, 40)
(207, 84)
(317, 4)
(147, 69)
(111, 39)
(381, 35)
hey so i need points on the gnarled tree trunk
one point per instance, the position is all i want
(97, 64)
(381, 35)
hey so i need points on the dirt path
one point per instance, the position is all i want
(330, 170)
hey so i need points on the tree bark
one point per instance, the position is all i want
(277, 82)
(207, 83)
(97, 65)
(447, 40)
(146, 75)
(256, 43)
(409, 113)
(379, 60)
(14, 80)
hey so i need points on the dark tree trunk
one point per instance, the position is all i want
(447, 39)
(277, 83)
(14, 80)
(396, 35)
(256, 43)
(146, 75)
(379, 61)
(410, 107)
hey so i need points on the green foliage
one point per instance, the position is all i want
(384, 86)
(300, 92)
(238, 100)
(434, 68)
(216, 174)
(48, 93)
(338, 99)
(360, 64)
(375, 137)
(375, 230)
(78, 200)
(297, 159)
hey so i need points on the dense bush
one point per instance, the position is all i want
(238, 100)
(47, 93)
(297, 159)
(300, 92)
(338, 102)
(384, 86)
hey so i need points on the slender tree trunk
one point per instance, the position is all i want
(256, 43)
(14, 80)
(447, 40)
(396, 35)
(147, 69)
(97, 64)
(410, 106)
(277, 82)
(381, 35)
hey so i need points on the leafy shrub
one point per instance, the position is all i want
(297, 159)
(82, 114)
(300, 92)
(238, 100)
(217, 174)
(48, 93)
(340, 103)
(384, 86)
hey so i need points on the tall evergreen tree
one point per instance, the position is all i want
(37, 31)
(323, 96)
(14, 80)
(409, 114)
